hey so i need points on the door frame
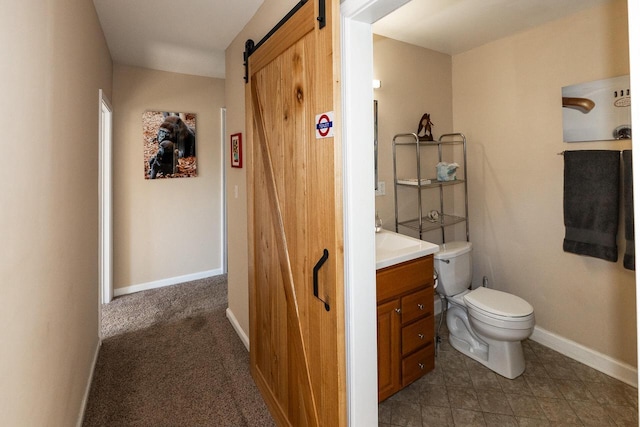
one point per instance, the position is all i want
(359, 206)
(224, 152)
(105, 197)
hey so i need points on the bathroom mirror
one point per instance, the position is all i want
(375, 144)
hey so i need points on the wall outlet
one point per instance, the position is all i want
(380, 191)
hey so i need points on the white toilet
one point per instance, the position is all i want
(484, 324)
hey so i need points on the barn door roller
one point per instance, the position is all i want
(250, 46)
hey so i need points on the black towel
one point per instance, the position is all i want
(629, 261)
(591, 187)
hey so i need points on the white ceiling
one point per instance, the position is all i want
(184, 36)
(455, 26)
(190, 36)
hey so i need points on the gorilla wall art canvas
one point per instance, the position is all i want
(169, 144)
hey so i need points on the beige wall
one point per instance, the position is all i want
(506, 98)
(267, 16)
(414, 81)
(52, 70)
(165, 228)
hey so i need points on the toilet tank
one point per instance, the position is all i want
(453, 265)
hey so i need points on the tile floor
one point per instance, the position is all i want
(553, 391)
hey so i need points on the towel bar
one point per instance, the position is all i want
(562, 152)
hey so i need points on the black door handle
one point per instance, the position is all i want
(319, 264)
(322, 14)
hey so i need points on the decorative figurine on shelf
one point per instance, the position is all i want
(424, 128)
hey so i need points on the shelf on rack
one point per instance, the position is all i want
(432, 183)
(414, 181)
(434, 143)
(428, 224)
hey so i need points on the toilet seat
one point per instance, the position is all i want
(498, 305)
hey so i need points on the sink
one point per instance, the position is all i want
(393, 248)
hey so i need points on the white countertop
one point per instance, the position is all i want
(393, 248)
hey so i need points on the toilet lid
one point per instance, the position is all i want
(498, 302)
(452, 250)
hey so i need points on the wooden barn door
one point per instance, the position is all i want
(295, 221)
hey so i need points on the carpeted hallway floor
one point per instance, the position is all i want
(170, 357)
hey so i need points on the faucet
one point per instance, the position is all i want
(378, 223)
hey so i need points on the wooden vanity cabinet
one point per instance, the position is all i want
(405, 324)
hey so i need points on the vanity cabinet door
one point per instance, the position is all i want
(389, 380)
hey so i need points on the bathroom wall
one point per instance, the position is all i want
(414, 81)
(506, 99)
(55, 59)
(165, 228)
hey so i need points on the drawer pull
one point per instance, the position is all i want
(421, 336)
(421, 306)
(398, 310)
(421, 365)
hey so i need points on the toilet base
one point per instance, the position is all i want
(502, 357)
(505, 358)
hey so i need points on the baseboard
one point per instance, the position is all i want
(234, 322)
(85, 399)
(166, 282)
(603, 363)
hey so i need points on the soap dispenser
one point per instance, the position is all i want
(378, 223)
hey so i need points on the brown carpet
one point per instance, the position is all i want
(170, 357)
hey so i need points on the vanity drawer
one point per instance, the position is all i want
(416, 305)
(402, 278)
(417, 335)
(418, 364)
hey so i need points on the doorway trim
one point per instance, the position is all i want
(223, 156)
(105, 191)
(359, 206)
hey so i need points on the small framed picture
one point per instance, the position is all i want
(236, 150)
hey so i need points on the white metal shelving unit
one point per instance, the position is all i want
(422, 223)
